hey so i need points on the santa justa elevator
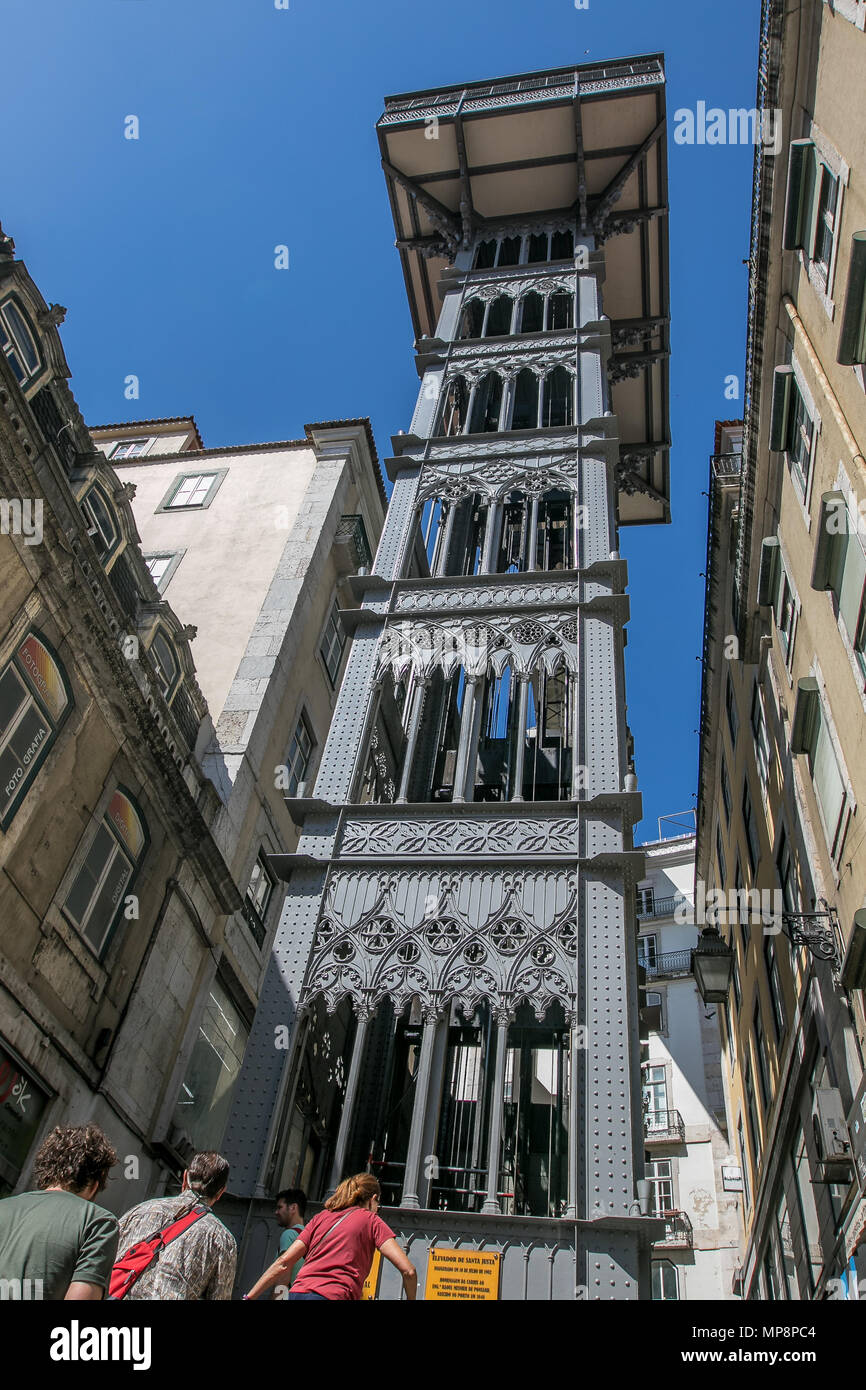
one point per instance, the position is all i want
(452, 998)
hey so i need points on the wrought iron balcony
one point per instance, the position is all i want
(678, 1231)
(667, 963)
(664, 907)
(351, 540)
(664, 1127)
(726, 466)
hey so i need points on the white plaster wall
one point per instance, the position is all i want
(232, 548)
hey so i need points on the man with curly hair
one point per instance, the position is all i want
(56, 1237)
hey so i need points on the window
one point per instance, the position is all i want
(485, 256)
(524, 416)
(660, 1175)
(786, 1247)
(751, 828)
(812, 209)
(332, 644)
(811, 735)
(655, 1014)
(645, 898)
(752, 1113)
(539, 248)
(761, 1053)
(840, 565)
(774, 984)
(509, 251)
(655, 1098)
(664, 1281)
(792, 427)
(558, 401)
(808, 1209)
(735, 983)
(95, 898)
(744, 1161)
(35, 699)
(202, 1108)
(560, 311)
(742, 905)
(532, 313)
(129, 448)
(473, 319)
(455, 407)
(499, 317)
(162, 567)
(22, 1106)
(731, 710)
(162, 654)
(851, 350)
(299, 755)
(759, 731)
(729, 1029)
(101, 525)
(726, 789)
(720, 856)
(193, 490)
(787, 873)
(486, 405)
(785, 612)
(562, 246)
(261, 889)
(18, 343)
(647, 948)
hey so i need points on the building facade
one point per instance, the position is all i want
(783, 744)
(144, 812)
(452, 999)
(694, 1177)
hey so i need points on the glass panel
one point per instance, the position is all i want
(532, 313)
(22, 1104)
(538, 249)
(509, 251)
(562, 246)
(20, 755)
(22, 336)
(205, 1096)
(108, 900)
(84, 886)
(525, 413)
(499, 317)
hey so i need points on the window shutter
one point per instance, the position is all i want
(830, 542)
(780, 419)
(853, 578)
(852, 335)
(798, 202)
(827, 780)
(806, 715)
(768, 577)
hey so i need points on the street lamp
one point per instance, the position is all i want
(712, 963)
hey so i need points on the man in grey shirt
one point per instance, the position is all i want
(198, 1264)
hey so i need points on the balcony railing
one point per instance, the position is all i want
(726, 465)
(678, 1231)
(663, 907)
(667, 963)
(664, 1127)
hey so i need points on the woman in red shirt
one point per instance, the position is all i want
(337, 1248)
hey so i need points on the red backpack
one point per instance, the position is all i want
(141, 1256)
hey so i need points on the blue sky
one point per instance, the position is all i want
(257, 129)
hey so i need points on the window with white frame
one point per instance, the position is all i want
(655, 1098)
(645, 901)
(665, 1284)
(792, 426)
(129, 448)
(102, 526)
(96, 895)
(194, 490)
(840, 565)
(647, 949)
(333, 644)
(162, 567)
(759, 732)
(813, 734)
(813, 206)
(18, 343)
(300, 754)
(659, 1172)
(258, 896)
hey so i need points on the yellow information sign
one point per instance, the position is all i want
(462, 1275)
(371, 1283)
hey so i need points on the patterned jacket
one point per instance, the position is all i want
(200, 1264)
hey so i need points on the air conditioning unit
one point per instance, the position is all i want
(835, 1157)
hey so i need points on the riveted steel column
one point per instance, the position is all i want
(419, 1112)
(347, 1115)
(491, 1205)
(418, 697)
(467, 723)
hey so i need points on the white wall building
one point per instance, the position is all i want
(687, 1145)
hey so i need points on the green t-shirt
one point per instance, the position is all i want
(56, 1237)
(288, 1237)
